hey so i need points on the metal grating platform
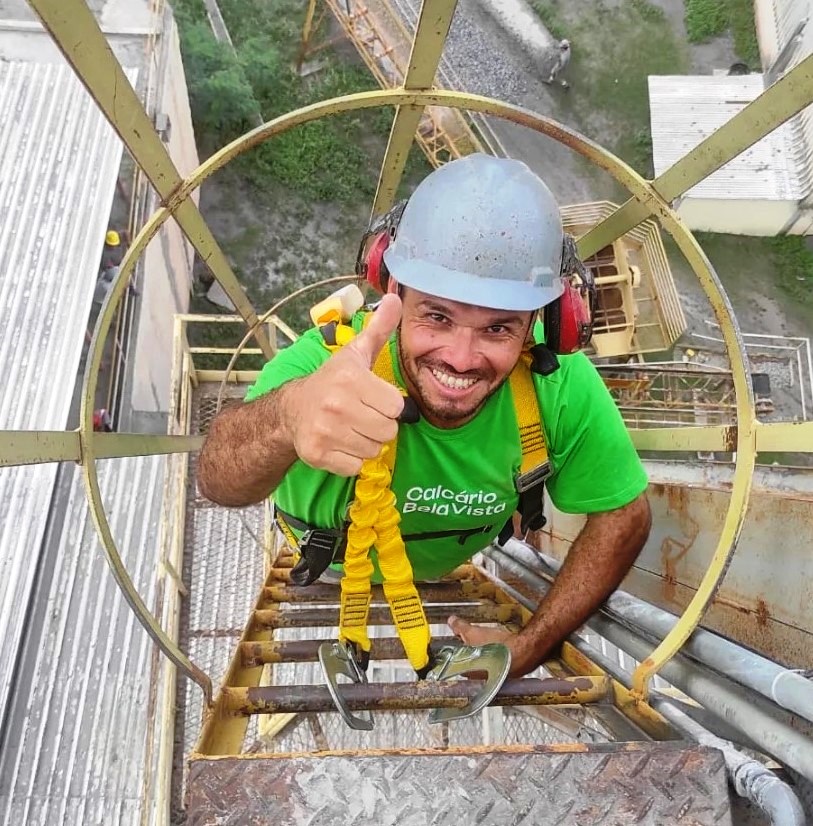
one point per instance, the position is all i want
(223, 568)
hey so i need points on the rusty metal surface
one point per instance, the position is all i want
(294, 699)
(761, 604)
(299, 651)
(439, 592)
(305, 617)
(574, 785)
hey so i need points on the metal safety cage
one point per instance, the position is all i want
(76, 32)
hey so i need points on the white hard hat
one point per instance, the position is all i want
(484, 231)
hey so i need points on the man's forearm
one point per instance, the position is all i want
(247, 452)
(598, 560)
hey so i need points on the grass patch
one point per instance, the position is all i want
(785, 262)
(549, 15)
(609, 72)
(327, 160)
(794, 268)
(706, 19)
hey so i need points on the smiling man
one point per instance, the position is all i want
(476, 253)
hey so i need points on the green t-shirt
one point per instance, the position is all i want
(462, 479)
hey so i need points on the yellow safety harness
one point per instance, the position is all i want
(374, 518)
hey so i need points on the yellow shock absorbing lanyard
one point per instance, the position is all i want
(374, 520)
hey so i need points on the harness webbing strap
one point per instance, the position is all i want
(526, 405)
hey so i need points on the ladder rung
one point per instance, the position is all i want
(286, 561)
(435, 592)
(308, 617)
(298, 699)
(301, 651)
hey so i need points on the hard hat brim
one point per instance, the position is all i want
(493, 293)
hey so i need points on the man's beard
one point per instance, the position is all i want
(447, 412)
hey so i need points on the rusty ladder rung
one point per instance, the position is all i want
(254, 654)
(381, 615)
(300, 699)
(435, 592)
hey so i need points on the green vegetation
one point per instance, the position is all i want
(746, 264)
(794, 268)
(327, 160)
(611, 101)
(549, 15)
(706, 19)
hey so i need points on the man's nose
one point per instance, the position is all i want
(461, 352)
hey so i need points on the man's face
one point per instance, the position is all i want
(454, 356)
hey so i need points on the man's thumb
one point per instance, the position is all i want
(380, 327)
(458, 626)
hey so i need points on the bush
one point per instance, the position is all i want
(705, 19)
(220, 96)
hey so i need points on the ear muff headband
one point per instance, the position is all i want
(370, 264)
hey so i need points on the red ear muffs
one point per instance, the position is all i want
(569, 320)
(375, 270)
(370, 264)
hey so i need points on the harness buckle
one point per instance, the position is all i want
(533, 477)
(344, 658)
(455, 660)
(318, 549)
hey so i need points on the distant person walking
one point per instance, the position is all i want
(560, 63)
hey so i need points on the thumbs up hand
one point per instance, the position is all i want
(343, 413)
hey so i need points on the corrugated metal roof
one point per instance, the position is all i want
(81, 755)
(686, 110)
(58, 165)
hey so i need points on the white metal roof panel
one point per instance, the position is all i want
(82, 754)
(684, 110)
(58, 165)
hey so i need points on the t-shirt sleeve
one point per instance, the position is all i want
(595, 465)
(301, 358)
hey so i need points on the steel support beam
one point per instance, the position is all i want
(304, 651)
(32, 447)
(440, 592)
(430, 34)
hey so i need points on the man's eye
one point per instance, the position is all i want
(438, 317)
(497, 329)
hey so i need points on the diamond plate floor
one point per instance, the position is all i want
(651, 784)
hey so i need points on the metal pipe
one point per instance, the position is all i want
(744, 710)
(425, 694)
(785, 687)
(749, 777)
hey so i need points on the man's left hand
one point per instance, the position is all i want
(522, 660)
